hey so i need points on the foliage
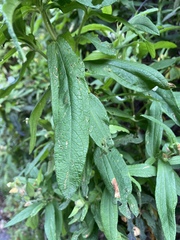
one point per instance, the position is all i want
(87, 122)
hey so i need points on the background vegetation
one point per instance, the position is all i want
(89, 119)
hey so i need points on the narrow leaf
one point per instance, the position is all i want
(135, 76)
(114, 172)
(70, 106)
(58, 220)
(154, 131)
(109, 216)
(132, 202)
(166, 199)
(22, 215)
(34, 118)
(99, 130)
(170, 135)
(164, 63)
(50, 225)
(142, 170)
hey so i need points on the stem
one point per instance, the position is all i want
(85, 17)
(48, 24)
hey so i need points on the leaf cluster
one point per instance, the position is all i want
(90, 115)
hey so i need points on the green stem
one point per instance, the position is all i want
(48, 24)
(85, 17)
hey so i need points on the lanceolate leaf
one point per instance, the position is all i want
(109, 216)
(114, 172)
(166, 199)
(135, 76)
(50, 224)
(23, 214)
(99, 129)
(154, 131)
(34, 118)
(70, 105)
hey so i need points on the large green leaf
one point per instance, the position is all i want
(25, 213)
(50, 224)
(114, 172)
(99, 129)
(109, 216)
(154, 131)
(166, 199)
(70, 106)
(135, 76)
(34, 118)
(96, 3)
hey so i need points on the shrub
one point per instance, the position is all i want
(95, 105)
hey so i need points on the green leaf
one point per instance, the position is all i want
(175, 160)
(133, 205)
(114, 129)
(142, 170)
(50, 224)
(164, 44)
(8, 9)
(41, 155)
(34, 118)
(109, 216)
(70, 106)
(154, 132)
(135, 76)
(166, 199)
(170, 135)
(30, 189)
(37, 209)
(151, 49)
(94, 27)
(96, 3)
(164, 63)
(6, 91)
(58, 220)
(99, 130)
(22, 215)
(169, 103)
(33, 222)
(144, 24)
(103, 47)
(7, 55)
(96, 55)
(114, 173)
